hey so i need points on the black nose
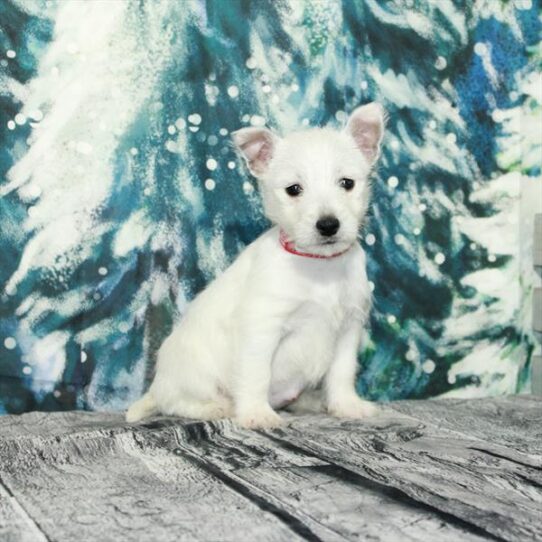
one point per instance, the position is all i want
(328, 225)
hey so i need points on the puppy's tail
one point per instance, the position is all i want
(141, 409)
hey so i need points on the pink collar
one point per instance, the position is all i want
(289, 246)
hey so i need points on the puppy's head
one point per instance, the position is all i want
(315, 183)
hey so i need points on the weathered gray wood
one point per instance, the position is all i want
(510, 423)
(58, 424)
(331, 502)
(465, 477)
(15, 524)
(427, 470)
(125, 485)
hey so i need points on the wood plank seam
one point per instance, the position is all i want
(31, 522)
(240, 487)
(399, 494)
(465, 435)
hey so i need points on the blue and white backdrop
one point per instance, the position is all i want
(121, 196)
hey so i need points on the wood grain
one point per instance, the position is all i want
(428, 470)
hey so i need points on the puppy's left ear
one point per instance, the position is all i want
(366, 127)
(257, 145)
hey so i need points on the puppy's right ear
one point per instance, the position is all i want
(366, 126)
(257, 145)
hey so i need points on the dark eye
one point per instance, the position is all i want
(294, 190)
(347, 184)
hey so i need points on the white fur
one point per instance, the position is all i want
(276, 326)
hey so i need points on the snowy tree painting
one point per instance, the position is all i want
(121, 196)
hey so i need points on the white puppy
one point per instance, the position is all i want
(287, 317)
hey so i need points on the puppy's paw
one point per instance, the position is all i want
(263, 417)
(217, 411)
(352, 407)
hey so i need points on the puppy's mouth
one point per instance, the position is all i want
(330, 245)
(324, 245)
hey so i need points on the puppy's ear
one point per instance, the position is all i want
(257, 145)
(366, 126)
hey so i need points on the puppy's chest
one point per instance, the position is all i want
(333, 297)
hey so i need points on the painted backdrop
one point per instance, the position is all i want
(121, 196)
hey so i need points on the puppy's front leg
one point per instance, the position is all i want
(340, 381)
(256, 344)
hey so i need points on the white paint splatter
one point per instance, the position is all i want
(439, 258)
(194, 118)
(133, 234)
(83, 147)
(233, 91)
(251, 63)
(10, 343)
(257, 120)
(393, 181)
(440, 63)
(428, 366)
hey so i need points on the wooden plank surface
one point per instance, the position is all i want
(15, 524)
(427, 470)
(512, 422)
(126, 485)
(488, 489)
